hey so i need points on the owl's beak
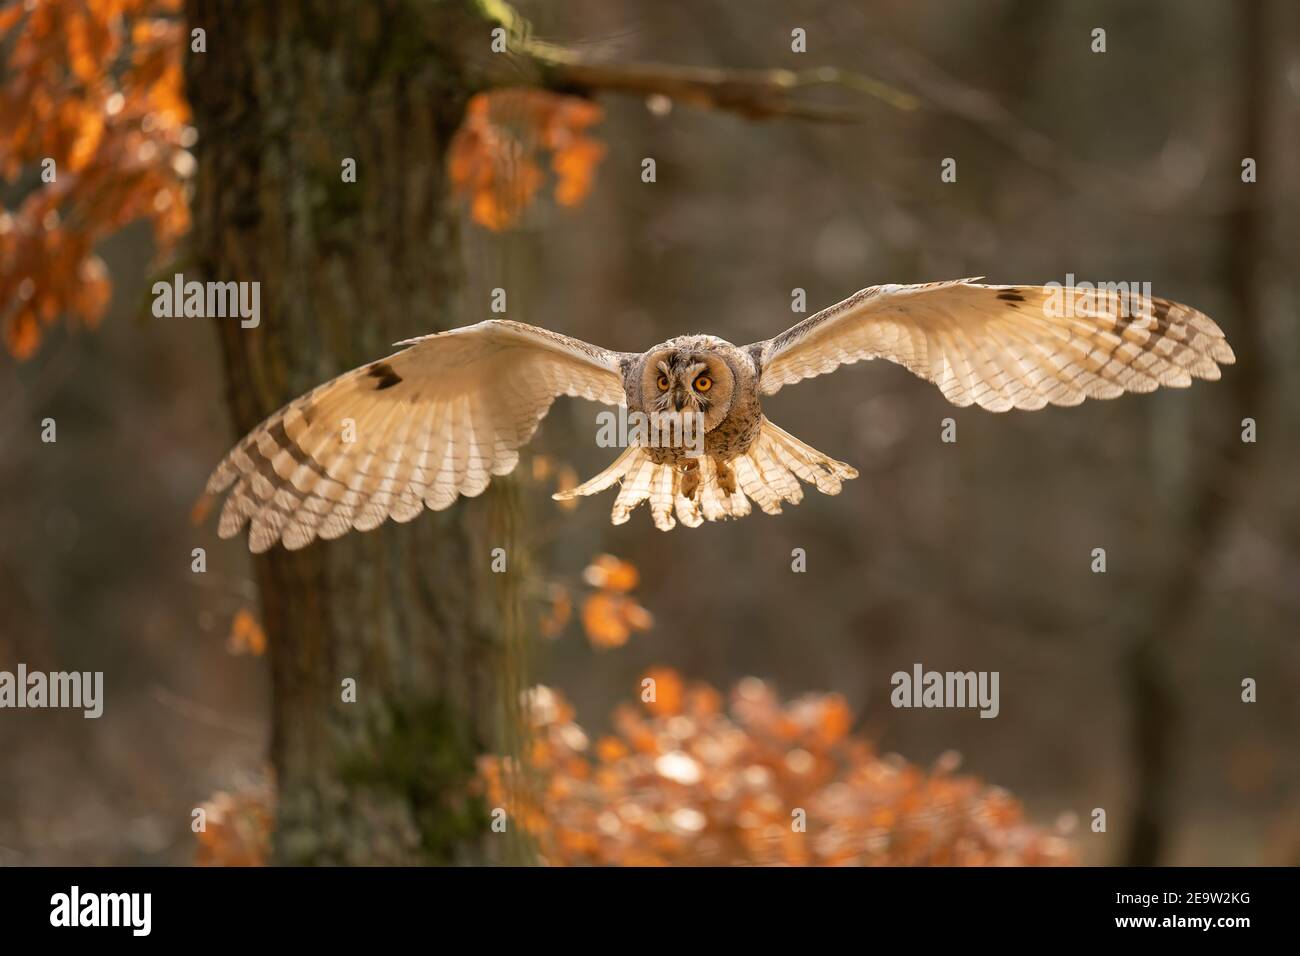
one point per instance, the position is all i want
(679, 398)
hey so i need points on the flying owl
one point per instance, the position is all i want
(440, 417)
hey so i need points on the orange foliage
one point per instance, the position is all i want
(610, 615)
(611, 573)
(766, 783)
(609, 619)
(97, 88)
(237, 828)
(495, 157)
(246, 635)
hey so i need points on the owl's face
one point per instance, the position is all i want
(688, 381)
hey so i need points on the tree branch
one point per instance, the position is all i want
(753, 94)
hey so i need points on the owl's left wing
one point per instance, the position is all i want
(1003, 347)
(414, 430)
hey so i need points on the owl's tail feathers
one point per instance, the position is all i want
(622, 465)
(792, 455)
(707, 490)
(642, 479)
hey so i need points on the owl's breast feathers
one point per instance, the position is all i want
(739, 430)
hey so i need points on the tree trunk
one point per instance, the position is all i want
(285, 92)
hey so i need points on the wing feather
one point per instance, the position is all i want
(1003, 347)
(431, 422)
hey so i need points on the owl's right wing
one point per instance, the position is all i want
(431, 422)
(1002, 346)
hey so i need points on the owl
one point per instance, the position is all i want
(439, 418)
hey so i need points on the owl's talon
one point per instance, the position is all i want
(690, 479)
(726, 478)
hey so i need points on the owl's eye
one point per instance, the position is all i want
(662, 382)
(703, 383)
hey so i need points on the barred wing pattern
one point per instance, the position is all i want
(1003, 347)
(431, 422)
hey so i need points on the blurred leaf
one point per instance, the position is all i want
(246, 635)
(22, 334)
(669, 692)
(607, 571)
(237, 827)
(494, 159)
(604, 621)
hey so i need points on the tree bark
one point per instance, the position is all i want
(283, 94)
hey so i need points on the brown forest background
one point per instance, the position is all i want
(1116, 166)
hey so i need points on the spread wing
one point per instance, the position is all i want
(1002, 346)
(431, 422)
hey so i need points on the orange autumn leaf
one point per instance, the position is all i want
(831, 718)
(610, 749)
(9, 15)
(565, 117)
(610, 618)
(22, 334)
(575, 170)
(703, 701)
(608, 572)
(669, 692)
(495, 158)
(90, 130)
(246, 635)
(604, 621)
(236, 827)
(499, 200)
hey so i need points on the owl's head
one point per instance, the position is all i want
(688, 380)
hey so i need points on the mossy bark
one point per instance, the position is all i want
(284, 93)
